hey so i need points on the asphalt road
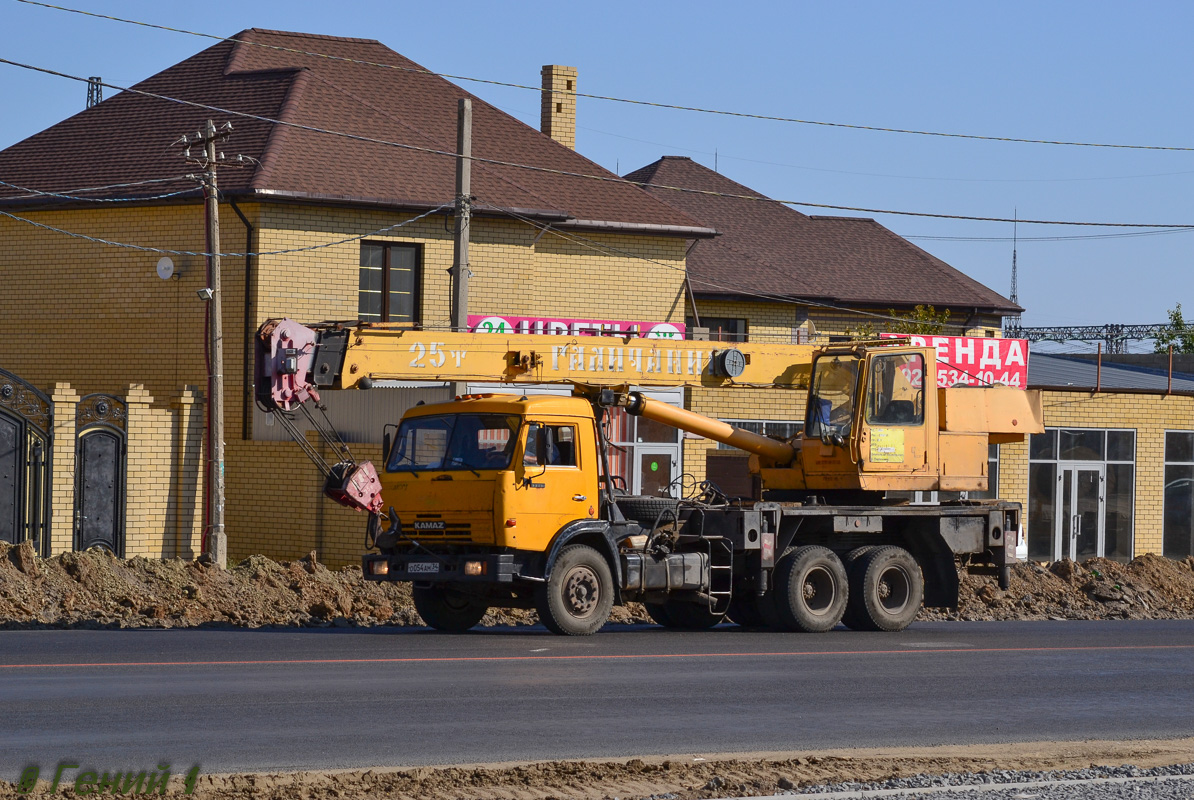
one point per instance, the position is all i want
(241, 700)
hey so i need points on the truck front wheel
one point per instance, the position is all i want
(886, 590)
(810, 589)
(577, 598)
(446, 609)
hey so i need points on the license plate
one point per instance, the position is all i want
(423, 566)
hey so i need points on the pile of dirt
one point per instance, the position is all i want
(94, 589)
(1148, 587)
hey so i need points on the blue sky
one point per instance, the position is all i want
(1090, 71)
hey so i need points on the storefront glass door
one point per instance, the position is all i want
(1078, 528)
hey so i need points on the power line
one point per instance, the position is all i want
(652, 104)
(603, 178)
(1127, 235)
(39, 193)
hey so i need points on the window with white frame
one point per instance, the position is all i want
(1057, 460)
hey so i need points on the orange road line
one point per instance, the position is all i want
(599, 657)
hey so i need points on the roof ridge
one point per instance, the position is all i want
(301, 35)
(278, 134)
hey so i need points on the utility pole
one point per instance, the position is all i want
(464, 182)
(215, 539)
(464, 173)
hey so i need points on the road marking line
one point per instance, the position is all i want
(598, 657)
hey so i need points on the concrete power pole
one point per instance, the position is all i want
(215, 538)
(464, 172)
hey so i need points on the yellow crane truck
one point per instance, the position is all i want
(507, 500)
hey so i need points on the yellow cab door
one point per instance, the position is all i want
(826, 451)
(555, 480)
(894, 419)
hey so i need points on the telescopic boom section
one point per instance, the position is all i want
(780, 453)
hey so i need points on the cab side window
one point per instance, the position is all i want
(550, 445)
(895, 395)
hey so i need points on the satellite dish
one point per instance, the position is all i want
(165, 268)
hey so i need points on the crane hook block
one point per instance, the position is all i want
(355, 485)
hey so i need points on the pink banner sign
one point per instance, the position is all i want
(559, 326)
(976, 360)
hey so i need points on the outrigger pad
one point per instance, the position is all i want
(355, 485)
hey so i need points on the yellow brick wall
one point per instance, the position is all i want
(1150, 415)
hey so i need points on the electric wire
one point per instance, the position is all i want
(39, 193)
(603, 178)
(1131, 234)
(167, 251)
(648, 103)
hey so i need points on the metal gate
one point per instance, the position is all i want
(100, 470)
(26, 437)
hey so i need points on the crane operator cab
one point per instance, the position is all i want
(867, 413)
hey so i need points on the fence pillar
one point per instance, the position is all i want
(62, 470)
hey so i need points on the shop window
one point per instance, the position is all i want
(389, 282)
(1072, 472)
(1178, 525)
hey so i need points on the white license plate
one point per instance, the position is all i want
(423, 566)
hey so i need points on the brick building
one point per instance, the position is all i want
(82, 317)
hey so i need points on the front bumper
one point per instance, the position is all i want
(424, 567)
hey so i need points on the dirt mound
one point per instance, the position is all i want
(1148, 587)
(94, 589)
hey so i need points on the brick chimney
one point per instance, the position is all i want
(557, 115)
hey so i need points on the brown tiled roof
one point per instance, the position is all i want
(768, 248)
(127, 137)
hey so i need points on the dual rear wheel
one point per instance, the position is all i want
(877, 588)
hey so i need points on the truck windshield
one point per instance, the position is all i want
(831, 401)
(454, 441)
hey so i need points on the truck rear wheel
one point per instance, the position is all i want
(890, 589)
(810, 589)
(852, 619)
(446, 609)
(577, 598)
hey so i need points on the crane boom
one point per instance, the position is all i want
(339, 357)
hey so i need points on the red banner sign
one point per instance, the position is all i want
(976, 360)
